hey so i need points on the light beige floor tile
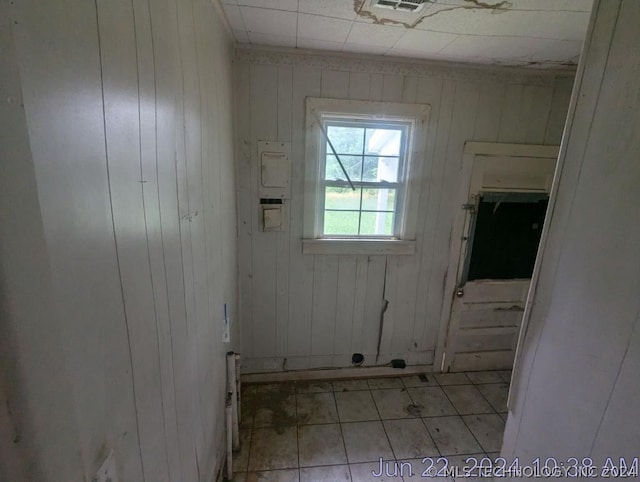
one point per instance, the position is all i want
(433, 468)
(424, 380)
(364, 472)
(334, 473)
(248, 388)
(451, 436)
(366, 442)
(465, 467)
(250, 404)
(470, 467)
(467, 399)
(409, 439)
(241, 457)
(432, 401)
(465, 460)
(393, 403)
(484, 377)
(248, 396)
(313, 387)
(273, 450)
(270, 402)
(246, 422)
(276, 409)
(316, 408)
(443, 469)
(452, 379)
(388, 382)
(497, 394)
(506, 375)
(356, 406)
(320, 445)
(488, 430)
(283, 387)
(290, 475)
(350, 385)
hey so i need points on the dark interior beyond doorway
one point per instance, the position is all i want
(506, 234)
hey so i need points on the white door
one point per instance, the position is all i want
(496, 236)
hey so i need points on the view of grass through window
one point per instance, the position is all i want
(371, 156)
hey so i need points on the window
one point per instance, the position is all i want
(364, 162)
(363, 181)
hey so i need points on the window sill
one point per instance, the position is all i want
(358, 246)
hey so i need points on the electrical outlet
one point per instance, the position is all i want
(226, 335)
(107, 471)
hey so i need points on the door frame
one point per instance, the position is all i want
(471, 150)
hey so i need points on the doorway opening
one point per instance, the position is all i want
(505, 234)
(494, 246)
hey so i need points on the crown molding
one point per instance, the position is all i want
(324, 60)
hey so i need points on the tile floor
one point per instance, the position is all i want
(339, 430)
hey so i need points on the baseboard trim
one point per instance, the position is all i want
(334, 374)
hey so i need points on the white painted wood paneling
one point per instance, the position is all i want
(129, 201)
(581, 342)
(167, 78)
(465, 97)
(25, 271)
(122, 139)
(335, 301)
(306, 83)
(439, 95)
(285, 127)
(264, 127)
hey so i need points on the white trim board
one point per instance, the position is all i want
(358, 246)
(471, 150)
(335, 374)
(417, 117)
(394, 65)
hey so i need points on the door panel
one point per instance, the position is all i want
(485, 322)
(494, 315)
(486, 314)
(470, 341)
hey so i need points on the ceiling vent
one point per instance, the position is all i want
(411, 6)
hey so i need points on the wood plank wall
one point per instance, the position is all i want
(310, 311)
(128, 110)
(582, 342)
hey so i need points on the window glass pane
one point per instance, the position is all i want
(380, 169)
(385, 142)
(379, 199)
(343, 198)
(341, 222)
(346, 140)
(352, 164)
(376, 224)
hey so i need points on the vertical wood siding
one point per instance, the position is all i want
(310, 311)
(128, 108)
(582, 342)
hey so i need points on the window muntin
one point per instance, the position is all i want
(414, 118)
(374, 154)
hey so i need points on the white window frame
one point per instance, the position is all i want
(416, 117)
(399, 186)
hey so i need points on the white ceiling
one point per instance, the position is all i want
(537, 33)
